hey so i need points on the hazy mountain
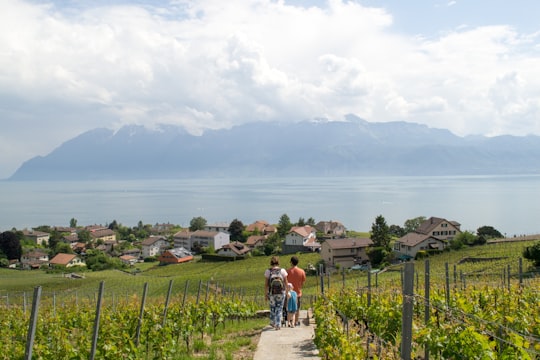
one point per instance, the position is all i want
(354, 147)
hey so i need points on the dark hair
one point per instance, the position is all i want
(294, 260)
(274, 261)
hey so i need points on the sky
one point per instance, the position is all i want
(70, 66)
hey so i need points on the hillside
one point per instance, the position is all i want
(324, 148)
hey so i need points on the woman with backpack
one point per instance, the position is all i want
(275, 289)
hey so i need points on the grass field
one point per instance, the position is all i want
(245, 277)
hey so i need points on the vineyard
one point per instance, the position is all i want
(477, 304)
(468, 310)
(128, 329)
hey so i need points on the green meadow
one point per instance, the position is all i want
(244, 278)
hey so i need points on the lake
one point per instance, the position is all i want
(508, 203)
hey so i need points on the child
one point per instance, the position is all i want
(292, 305)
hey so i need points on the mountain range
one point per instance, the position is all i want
(310, 148)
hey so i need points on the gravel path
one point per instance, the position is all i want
(288, 343)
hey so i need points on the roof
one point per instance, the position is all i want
(303, 231)
(428, 225)
(34, 233)
(185, 234)
(180, 252)
(237, 247)
(62, 259)
(101, 233)
(205, 233)
(254, 239)
(127, 257)
(257, 225)
(349, 243)
(152, 240)
(414, 238)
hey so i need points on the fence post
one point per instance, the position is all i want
(426, 305)
(407, 316)
(141, 314)
(321, 275)
(32, 325)
(199, 291)
(96, 322)
(185, 293)
(447, 285)
(167, 303)
(509, 273)
(520, 272)
(369, 286)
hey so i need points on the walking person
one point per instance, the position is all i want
(275, 290)
(292, 305)
(297, 277)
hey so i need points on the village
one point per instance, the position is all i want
(213, 242)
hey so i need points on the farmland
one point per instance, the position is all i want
(215, 294)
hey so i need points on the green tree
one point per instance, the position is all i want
(73, 223)
(301, 222)
(197, 223)
(310, 221)
(272, 244)
(84, 236)
(466, 238)
(533, 253)
(396, 230)
(284, 225)
(10, 245)
(411, 225)
(236, 229)
(488, 232)
(380, 233)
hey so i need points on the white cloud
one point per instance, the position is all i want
(210, 64)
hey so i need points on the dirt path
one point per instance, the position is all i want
(288, 343)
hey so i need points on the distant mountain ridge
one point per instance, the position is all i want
(323, 148)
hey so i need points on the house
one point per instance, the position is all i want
(66, 260)
(213, 239)
(103, 235)
(161, 229)
(300, 239)
(234, 249)
(223, 227)
(256, 241)
(406, 247)
(331, 228)
(136, 253)
(182, 239)
(71, 239)
(34, 259)
(261, 227)
(439, 228)
(128, 259)
(175, 256)
(432, 234)
(37, 237)
(345, 251)
(154, 246)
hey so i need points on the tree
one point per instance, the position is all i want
(284, 225)
(84, 236)
(197, 223)
(380, 233)
(533, 253)
(466, 238)
(301, 222)
(10, 245)
(488, 232)
(396, 230)
(310, 221)
(412, 224)
(236, 229)
(73, 223)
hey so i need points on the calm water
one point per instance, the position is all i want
(508, 203)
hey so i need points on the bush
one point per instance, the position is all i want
(533, 253)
